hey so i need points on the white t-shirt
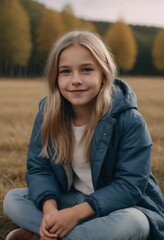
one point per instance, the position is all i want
(82, 180)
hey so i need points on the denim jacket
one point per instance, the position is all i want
(120, 159)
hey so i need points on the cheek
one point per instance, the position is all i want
(61, 91)
(61, 84)
(100, 83)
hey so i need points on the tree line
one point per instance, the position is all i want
(28, 30)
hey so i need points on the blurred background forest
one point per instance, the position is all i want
(28, 29)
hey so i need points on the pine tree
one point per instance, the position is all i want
(35, 12)
(158, 50)
(121, 41)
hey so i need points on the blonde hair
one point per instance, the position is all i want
(57, 135)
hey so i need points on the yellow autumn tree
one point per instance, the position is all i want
(121, 41)
(71, 22)
(158, 50)
(49, 30)
(87, 25)
(15, 35)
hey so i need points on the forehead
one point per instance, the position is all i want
(77, 54)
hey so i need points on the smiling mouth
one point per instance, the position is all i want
(78, 90)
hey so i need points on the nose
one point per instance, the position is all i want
(76, 78)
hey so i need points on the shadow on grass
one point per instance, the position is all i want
(6, 226)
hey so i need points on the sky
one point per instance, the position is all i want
(136, 12)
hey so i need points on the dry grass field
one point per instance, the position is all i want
(19, 104)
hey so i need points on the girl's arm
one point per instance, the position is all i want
(83, 210)
(132, 166)
(41, 180)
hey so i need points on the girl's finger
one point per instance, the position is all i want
(59, 232)
(54, 229)
(46, 235)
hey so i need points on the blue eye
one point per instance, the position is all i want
(64, 71)
(87, 69)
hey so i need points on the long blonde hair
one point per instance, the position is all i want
(57, 135)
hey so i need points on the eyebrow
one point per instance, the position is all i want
(82, 65)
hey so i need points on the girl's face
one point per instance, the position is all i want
(80, 76)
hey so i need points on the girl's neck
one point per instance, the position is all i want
(81, 116)
(79, 122)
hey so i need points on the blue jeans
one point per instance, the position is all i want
(124, 224)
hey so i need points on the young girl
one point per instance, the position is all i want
(89, 155)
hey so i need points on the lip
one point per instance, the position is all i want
(78, 91)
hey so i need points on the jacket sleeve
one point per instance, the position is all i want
(132, 167)
(40, 178)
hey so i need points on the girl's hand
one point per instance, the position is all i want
(65, 220)
(46, 224)
(56, 224)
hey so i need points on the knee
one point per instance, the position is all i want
(139, 221)
(12, 200)
(8, 201)
(135, 225)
